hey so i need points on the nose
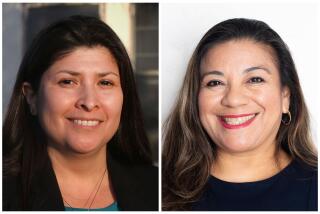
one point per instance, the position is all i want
(88, 99)
(234, 97)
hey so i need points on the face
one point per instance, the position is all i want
(79, 100)
(241, 100)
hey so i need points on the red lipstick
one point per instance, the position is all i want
(227, 125)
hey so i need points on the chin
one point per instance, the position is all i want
(85, 147)
(237, 147)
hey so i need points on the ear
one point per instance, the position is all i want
(285, 99)
(31, 97)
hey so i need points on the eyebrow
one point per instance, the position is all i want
(220, 73)
(257, 68)
(75, 73)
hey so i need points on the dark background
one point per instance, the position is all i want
(21, 22)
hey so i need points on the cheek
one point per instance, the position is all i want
(269, 99)
(208, 101)
(52, 106)
(53, 103)
(208, 105)
(58, 101)
(203, 105)
(112, 103)
(271, 103)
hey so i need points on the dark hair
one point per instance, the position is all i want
(188, 152)
(23, 150)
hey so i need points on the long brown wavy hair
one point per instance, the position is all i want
(188, 152)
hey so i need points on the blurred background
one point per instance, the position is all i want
(136, 25)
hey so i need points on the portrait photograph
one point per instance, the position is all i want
(160, 106)
(239, 110)
(80, 107)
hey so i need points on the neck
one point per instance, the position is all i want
(79, 165)
(249, 166)
(83, 179)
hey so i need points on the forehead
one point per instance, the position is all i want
(86, 60)
(238, 54)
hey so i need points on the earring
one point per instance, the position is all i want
(288, 121)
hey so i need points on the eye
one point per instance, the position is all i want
(214, 83)
(105, 83)
(256, 80)
(66, 82)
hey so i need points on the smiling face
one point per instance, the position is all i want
(241, 100)
(79, 100)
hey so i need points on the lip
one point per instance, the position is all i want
(84, 119)
(242, 125)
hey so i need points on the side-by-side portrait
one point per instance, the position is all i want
(160, 106)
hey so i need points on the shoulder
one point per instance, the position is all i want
(135, 185)
(305, 180)
(145, 179)
(139, 171)
(301, 175)
(303, 171)
(148, 172)
(144, 176)
(42, 192)
(11, 193)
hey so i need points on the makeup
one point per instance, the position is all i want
(237, 121)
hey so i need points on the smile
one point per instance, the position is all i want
(86, 122)
(237, 121)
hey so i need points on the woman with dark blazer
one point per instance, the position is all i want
(73, 135)
(134, 187)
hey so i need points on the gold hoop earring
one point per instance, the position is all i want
(289, 120)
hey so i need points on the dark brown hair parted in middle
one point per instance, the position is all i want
(24, 144)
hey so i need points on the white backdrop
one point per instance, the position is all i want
(183, 25)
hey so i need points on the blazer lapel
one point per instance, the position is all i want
(46, 193)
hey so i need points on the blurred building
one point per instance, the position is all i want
(136, 25)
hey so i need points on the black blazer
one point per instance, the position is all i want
(135, 188)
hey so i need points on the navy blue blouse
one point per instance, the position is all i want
(295, 188)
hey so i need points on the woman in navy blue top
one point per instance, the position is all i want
(294, 188)
(238, 137)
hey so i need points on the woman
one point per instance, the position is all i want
(238, 137)
(73, 135)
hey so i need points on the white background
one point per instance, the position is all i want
(183, 25)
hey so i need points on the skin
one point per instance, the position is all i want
(83, 85)
(242, 77)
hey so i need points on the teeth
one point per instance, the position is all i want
(238, 120)
(86, 122)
